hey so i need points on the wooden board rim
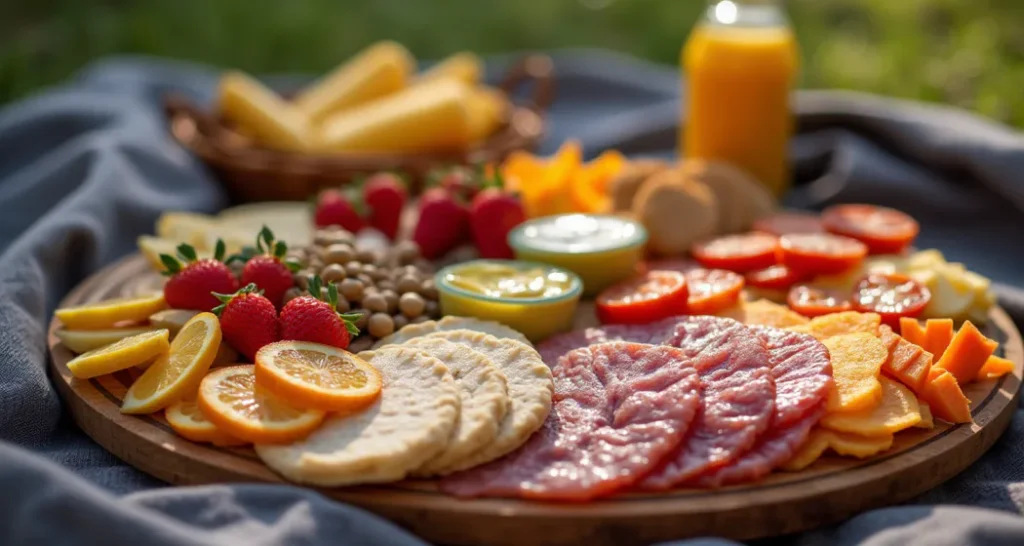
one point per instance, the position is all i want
(90, 404)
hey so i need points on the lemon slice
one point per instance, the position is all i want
(80, 341)
(311, 375)
(180, 370)
(172, 319)
(186, 227)
(105, 314)
(121, 355)
(188, 422)
(231, 399)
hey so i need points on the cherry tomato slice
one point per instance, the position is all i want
(820, 253)
(892, 296)
(776, 277)
(883, 230)
(651, 296)
(739, 253)
(713, 290)
(789, 222)
(814, 302)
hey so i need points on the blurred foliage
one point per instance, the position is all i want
(965, 52)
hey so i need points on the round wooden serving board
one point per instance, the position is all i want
(831, 490)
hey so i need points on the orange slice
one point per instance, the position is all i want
(178, 372)
(311, 375)
(230, 398)
(186, 420)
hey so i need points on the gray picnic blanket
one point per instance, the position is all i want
(87, 166)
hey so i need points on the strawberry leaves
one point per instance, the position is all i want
(250, 288)
(316, 291)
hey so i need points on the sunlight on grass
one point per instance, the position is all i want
(970, 54)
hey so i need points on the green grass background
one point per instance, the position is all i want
(964, 52)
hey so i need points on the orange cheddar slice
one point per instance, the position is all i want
(907, 362)
(944, 397)
(995, 366)
(912, 331)
(967, 353)
(938, 333)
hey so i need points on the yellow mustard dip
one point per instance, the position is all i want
(504, 281)
(536, 299)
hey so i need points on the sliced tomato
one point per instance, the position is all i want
(651, 296)
(776, 277)
(883, 230)
(785, 223)
(892, 296)
(739, 253)
(713, 290)
(820, 253)
(814, 302)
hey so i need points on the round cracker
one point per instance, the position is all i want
(727, 190)
(530, 388)
(411, 331)
(741, 198)
(408, 424)
(623, 186)
(676, 211)
(484, 396)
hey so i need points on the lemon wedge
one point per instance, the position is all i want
(81, 341)
(105, 314)
(178, 371)
(120, 355)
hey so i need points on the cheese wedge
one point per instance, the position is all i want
(428, 117)
(463, 66)
(379, 70)
(265, 116)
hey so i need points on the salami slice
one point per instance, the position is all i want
(654, 333)
(802, 371)
(738, 398)
(619, 409)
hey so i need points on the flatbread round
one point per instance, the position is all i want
(410, 423)
(623, 186)
(740, 197)
(530, 389)
(411, 331)
(485, 401)
(290, 221)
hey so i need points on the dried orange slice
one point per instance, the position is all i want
(179, 371)
(188, 422)
(105, 314)
(230, 398)
(121, 355)
(311, 375)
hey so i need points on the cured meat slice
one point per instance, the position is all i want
(802, 370)
(619, 409)
(654, 333)
(738, 398)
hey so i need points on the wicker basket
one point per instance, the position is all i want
(253, 173)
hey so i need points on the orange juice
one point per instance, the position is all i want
(741, 63)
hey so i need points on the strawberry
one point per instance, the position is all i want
(493, 214)
(268, 270)
(443, 223)
(385, 195)
(191, 283)
(335, 207)
(460, 181)
(248, 320)
(309, 318)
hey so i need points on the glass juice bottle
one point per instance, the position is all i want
(741, 62)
